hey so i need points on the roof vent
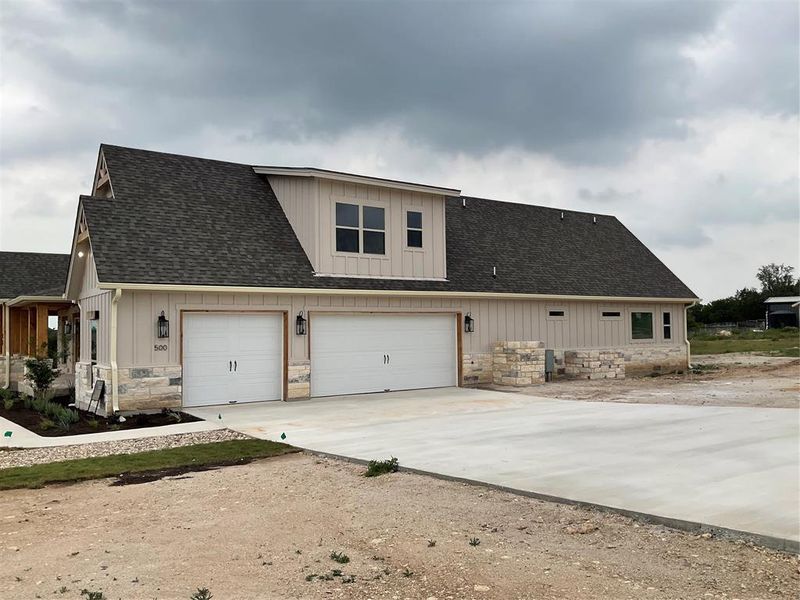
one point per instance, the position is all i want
(463, 203)
(594, 220)
(562, 215)
(494, 272)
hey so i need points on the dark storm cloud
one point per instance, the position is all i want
(584, 82)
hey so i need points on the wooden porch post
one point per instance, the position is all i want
(41, 330)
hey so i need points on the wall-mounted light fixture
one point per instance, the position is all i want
(469, 323)
(300, 324)
(163, 326)
(67, 327)
(80, 253)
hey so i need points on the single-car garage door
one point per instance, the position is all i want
(232, 358)
(360, 353)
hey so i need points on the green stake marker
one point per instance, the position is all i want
(7, 434)
(283, 436)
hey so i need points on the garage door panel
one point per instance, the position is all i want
(232, 358)
(347, 353)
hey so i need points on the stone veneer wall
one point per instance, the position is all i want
(17, 371)
(476, 369)
(518, 363)
(639, 359)
(299, 379)
(594, 364)
(139, 388)
(83, 386)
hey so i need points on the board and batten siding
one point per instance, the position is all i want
(310, 207)
(91, 298)
(515, 320)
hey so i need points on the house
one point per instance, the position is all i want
(782, 311)
(206, 282)
(31, 291)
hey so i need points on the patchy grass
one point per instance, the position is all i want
(230, 452)
(775, 342)
(379, 467)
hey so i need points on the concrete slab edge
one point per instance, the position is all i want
(697, 527)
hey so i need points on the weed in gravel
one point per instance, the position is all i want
(431, 543)
(340, 557)
(474, 542)
(407, 572)
(201, 594)
(93, 595)
(311, 577)
(380, 467)
(336, 572)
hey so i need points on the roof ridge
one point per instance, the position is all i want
(542, 206)
(174, 154)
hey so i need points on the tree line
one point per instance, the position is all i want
(748, 303)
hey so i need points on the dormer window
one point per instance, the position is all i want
(414, 229)
(360, 229)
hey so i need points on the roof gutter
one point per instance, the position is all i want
(686, 334)
(113, 353)
(232, 289)
(24, 299)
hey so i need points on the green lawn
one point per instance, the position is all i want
(774, 342)
(217, 453)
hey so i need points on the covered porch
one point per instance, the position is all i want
(42, 327)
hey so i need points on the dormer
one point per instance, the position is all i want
(356, 226)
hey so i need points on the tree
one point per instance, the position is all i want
(778, 280)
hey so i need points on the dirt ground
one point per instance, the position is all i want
(267, 529)
(724, 380)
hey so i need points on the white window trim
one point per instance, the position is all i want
(619, 317)
(650, 340)
(406, 229)
(665, 325)
(361, 229)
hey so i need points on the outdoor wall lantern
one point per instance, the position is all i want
(67, 327)
(300, 324)
(163, 326)
(469, 323)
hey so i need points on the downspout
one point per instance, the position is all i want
(113, 353)
(7, 344)
(686, 334)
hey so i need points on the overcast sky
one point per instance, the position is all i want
(680, 118)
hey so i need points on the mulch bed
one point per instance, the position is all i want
(30, 419)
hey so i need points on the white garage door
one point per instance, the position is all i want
(231, 358)
(355, 354)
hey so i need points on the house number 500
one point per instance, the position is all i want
(160, 347)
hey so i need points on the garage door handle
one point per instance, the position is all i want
(235, 366)
(388, 358)
(230, 365)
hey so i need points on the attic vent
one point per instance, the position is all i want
(562, 215)
(594, 220)
(494, 272)
(463, 203)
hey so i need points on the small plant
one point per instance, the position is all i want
(474, 542)
(41, 374)
(114, 427)
(311, 577)
(46, 424)
(407, 573)
(93, 423)
(379, 467)
(431, 543)
(340, 557)
(9, 402)
(93, 595)
(201, 594)
(172, 414)
(336, 572)
(63, 589)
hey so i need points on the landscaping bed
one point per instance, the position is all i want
(43, 424)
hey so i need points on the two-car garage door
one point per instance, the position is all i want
(360, 353)
(229, 357)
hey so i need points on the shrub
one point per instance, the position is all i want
(379, 467)
(93, 595)
(65, 417)
(474, 542)
(46, 424)
(93, 423)
(8, 398)
(40, 373)
(340, 557)
(201, 594)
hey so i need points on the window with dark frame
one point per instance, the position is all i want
(347, 227)
(93, 324)
(642, 325)
(556, 313)
(667, 323)
(360, 229)
(611, 314)
(374, 230)
(414, 229)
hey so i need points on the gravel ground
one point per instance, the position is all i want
(33, 456)
(731, 380)
(267, 529)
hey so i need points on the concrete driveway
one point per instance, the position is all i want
(736, 468)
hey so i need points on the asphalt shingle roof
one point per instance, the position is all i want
(32, 274)
(192, 221)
